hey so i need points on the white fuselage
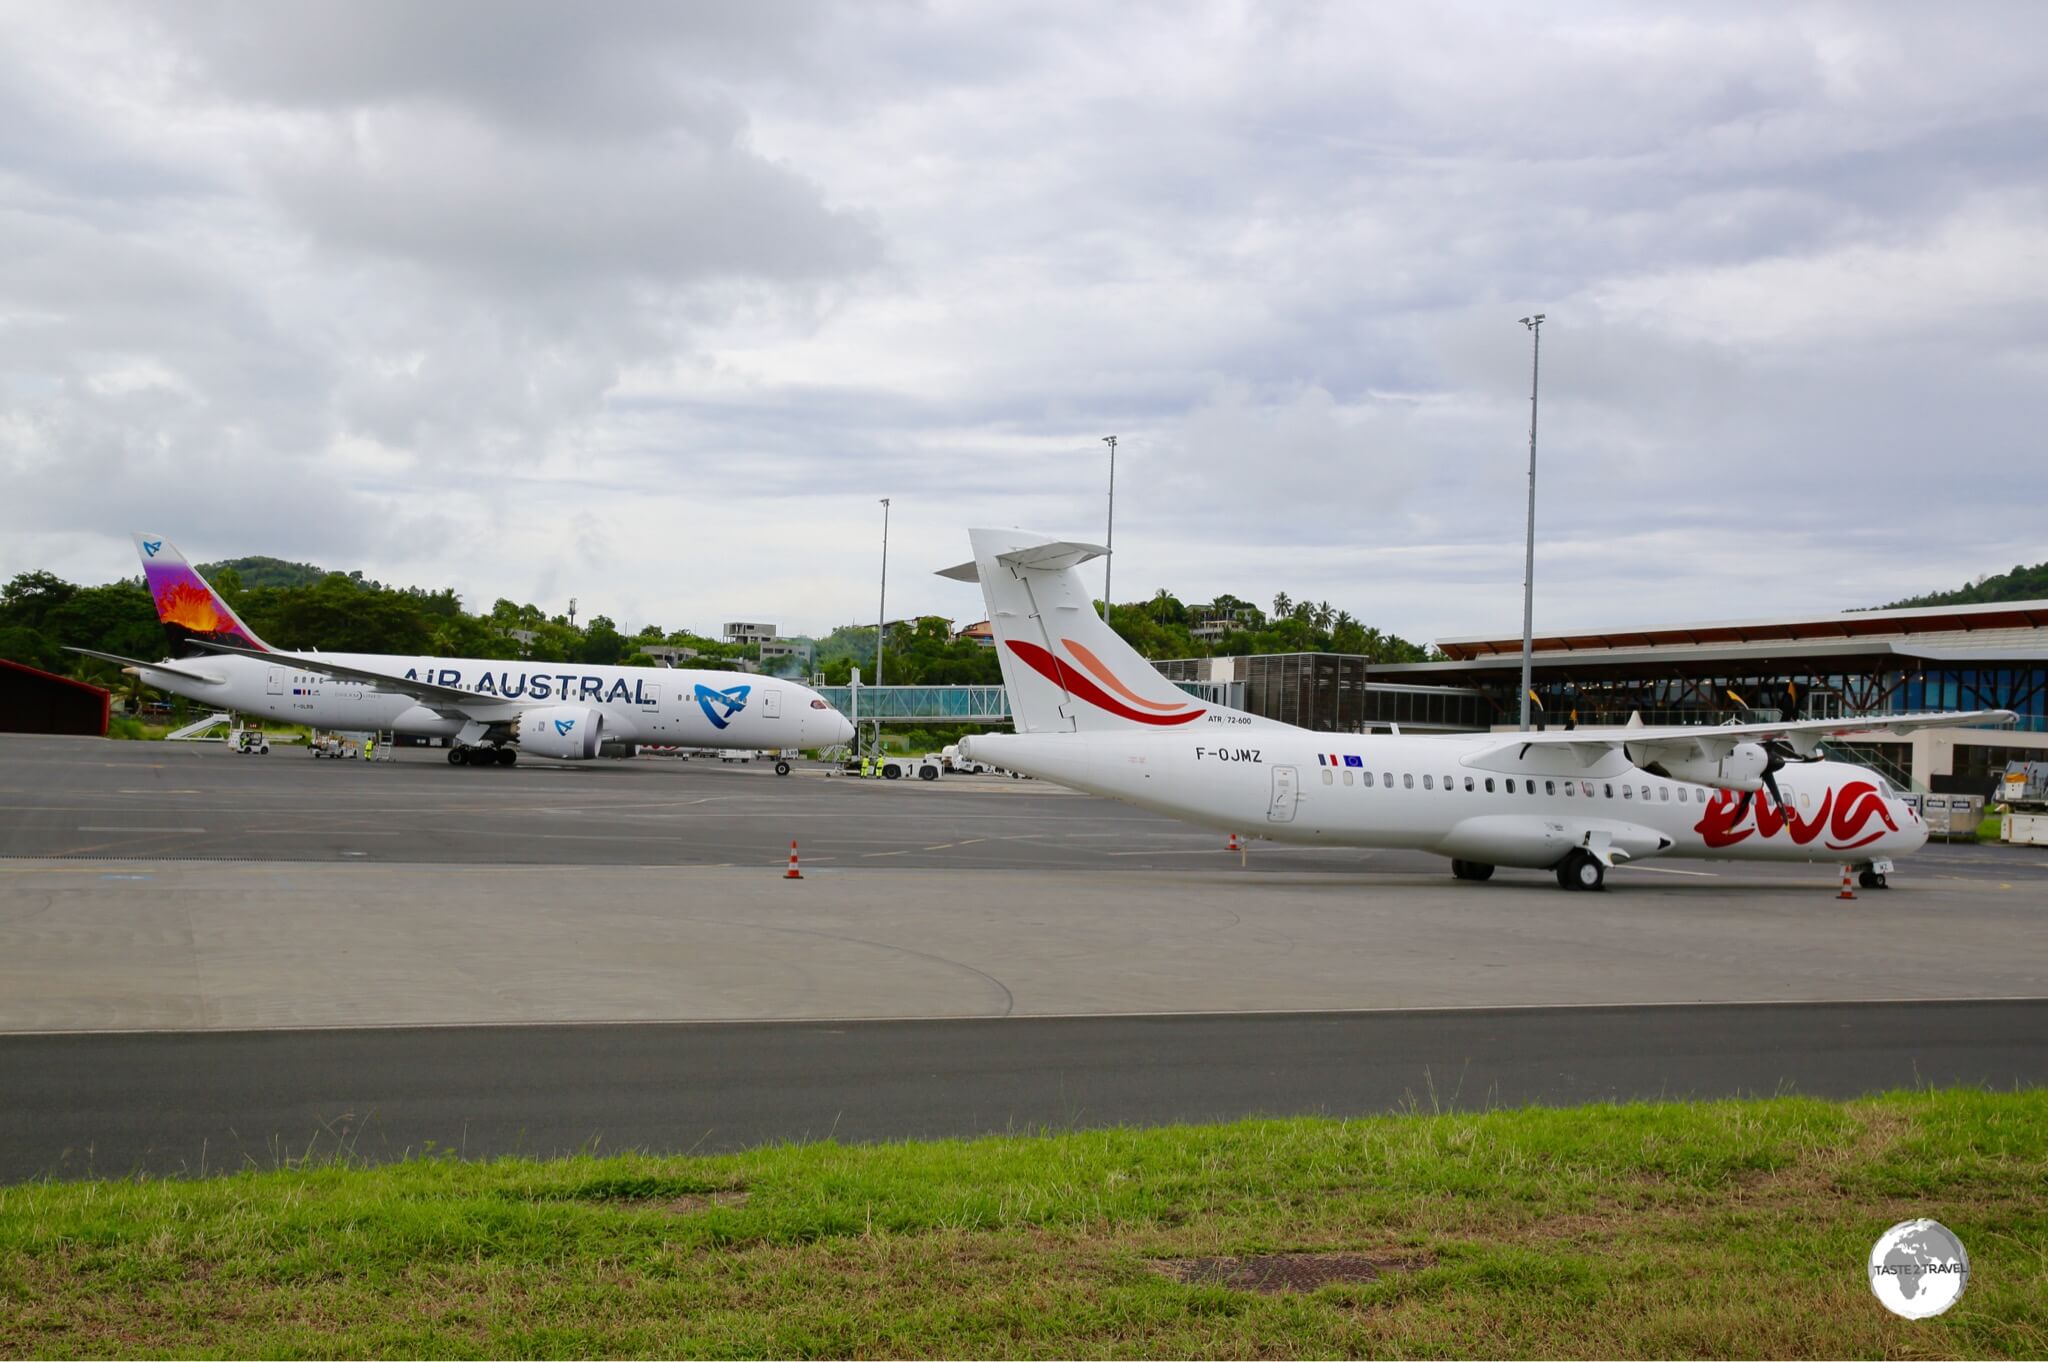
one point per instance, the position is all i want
(1465, 796)
(639, 704)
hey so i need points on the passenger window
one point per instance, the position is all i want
(1586, 788)
(1550, 787)
(1681, 794)
(1468, 784)
(1568, 790)
(1607, 791)
(1429, 782)
(1407, 780)
(1489, 785)
(1347, 777)
(1368, 779)
(1387, 777)
(1628, 792)
(1511, 785)
(1329, 776)
(1806, 801)
(1450, 783)
(1664, 793)
(1646, 792)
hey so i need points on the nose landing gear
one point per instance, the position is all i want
(1582, 871)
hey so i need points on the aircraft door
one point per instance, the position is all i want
(771, 703)
(276, 682)
(1285, 792)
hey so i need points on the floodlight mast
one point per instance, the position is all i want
(1535, 325)
(1109, 559)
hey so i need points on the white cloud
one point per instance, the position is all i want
(648, 304)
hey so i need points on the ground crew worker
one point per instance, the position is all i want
(369, 749)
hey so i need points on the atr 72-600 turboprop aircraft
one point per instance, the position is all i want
(1091, 713)
(493, 709)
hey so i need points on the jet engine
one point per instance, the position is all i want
(1745, 768)
(568, 732)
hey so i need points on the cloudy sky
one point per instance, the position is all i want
(647, 304)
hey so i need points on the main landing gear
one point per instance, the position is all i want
(482, 756)
(1872, 879)
(1582, 871)
(1471, 870)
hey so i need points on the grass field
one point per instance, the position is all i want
(1731, 1228)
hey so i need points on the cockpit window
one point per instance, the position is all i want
(819, 704)
(1884, 787)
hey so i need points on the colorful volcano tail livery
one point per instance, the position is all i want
(1066, 670)
(187, 606)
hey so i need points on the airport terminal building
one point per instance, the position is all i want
(1866, 662)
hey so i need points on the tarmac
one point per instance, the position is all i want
(548, 949)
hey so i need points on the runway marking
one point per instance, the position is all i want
(1174, 851)
(869, 854)
(144, 831)
(1667, 870)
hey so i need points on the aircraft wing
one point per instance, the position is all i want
(152, 666)
(445, 700)
(1717, 741)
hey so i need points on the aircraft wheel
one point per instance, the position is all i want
(507, 756)
(781, 768)
(1475, 871)
(1870, 879)
(458, 756)
(1581, 871)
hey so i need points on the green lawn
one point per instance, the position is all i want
(1733, 1228)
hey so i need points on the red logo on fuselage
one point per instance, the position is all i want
(1125, 703)
(1843, 816)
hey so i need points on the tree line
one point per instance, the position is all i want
(301, 606)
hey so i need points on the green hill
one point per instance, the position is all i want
(2021, 584)
(261, 571)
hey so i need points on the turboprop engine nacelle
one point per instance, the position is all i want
(568, 732)
(1742, 769)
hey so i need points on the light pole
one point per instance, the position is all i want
(882, 610)
(1109, 559)
(1535, 325)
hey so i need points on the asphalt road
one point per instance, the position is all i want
(189, 1103)
(84, 799)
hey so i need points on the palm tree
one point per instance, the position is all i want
(1283, 604)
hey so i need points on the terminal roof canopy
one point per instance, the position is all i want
(1957, 621)
(2007, 632)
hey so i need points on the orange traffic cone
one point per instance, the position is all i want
(1847, 892)
(792, 873)
(1233, 844)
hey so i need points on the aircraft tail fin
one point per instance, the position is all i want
(186, 605)
(1065, 669)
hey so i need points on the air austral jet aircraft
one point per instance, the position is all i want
(1092, 714)
(493, 709)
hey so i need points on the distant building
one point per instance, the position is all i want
(1212, 623)
(777, 649)
(669, 654)
(523, 637)
(983, 633)
(744, 632)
